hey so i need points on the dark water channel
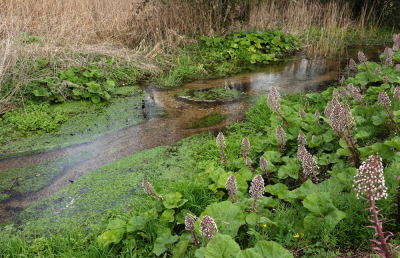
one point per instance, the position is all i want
(297, 73)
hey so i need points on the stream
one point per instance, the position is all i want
(296, 73)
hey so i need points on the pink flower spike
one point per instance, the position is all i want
(385, 79)
(377, 71)
(148, 188)
(302, 113)
(383, 99)
(263, 165)
(388, 53)
(281, 137)
(231, 187)
(389, 62)
(256, 190)
(353, 65)
(221, 140)
(308, 163)
(208, 227)
(361, 57)
(245, 147)
(302, 138)
(328, 110)
(342, 80)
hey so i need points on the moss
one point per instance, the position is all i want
(34, 177)
(86, 121)
(112, 186)
(208, 120)
(4, 197)
(217, 94)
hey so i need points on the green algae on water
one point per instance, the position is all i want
(208, 120)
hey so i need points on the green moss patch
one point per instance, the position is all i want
(217, 94)
(112, 186)
(34, 177)
(85, 122)
(208, 120)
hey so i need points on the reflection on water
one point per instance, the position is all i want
(297, 74)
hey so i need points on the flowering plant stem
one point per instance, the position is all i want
(378, 230)
(392, 119)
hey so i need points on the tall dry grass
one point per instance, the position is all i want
(138, 30)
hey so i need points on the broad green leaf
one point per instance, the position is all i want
(116, 230)
(271, 249)
(347, 176)
(248, 253)
(135, 223)
(222, 246)
(362, 135)
(95, 99)
(246, 173)
(323, 212)
(268, 202)
(394, 142)
(272, 156)
(226, 215)
(315, 143)
(291, 170)
(215, 174)
(251, 219)
(200, 253)
(384, 151)
(180, 249)
(304, 190)
(163, 242)
(173, 200)
(343, 152)
(328, 136)
(280, 190)
(168, 215)
(266, 221)
(380, 118)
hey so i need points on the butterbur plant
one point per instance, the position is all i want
(302, 138)
(249, 164)
(397, 92)
(353, 65)
(231, 187)
(377, 71)
(274, 103)
(221, 144)
(308, 163)
(317, 115)
(385, 79)
(256, 191)
(369, 183)
(148, 188)
(263, 165)
(245, 146)
(208, 228)
(363, 59)
(302, 113)
(281, 137)
(356, 93)
(189, 225)
(383, 100)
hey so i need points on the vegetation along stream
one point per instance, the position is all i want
(164, 117)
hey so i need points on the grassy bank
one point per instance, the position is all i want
(303, 210)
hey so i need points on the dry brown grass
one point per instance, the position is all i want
(138, 31)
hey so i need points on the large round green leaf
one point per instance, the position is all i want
(222, 246)
(271, 249)
(227, 216)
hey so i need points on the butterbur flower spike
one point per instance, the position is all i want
(385, 79)
(263, 165)
(249, 164)
(353, 65)
(397, 92)
(256, 190)
(383, 99)
(221, 144)
(369, 183)
(148, 188)
(281, 137)
(398, 67)
(317, 115)
(274, 103)
(342, 80)
(302, 113)
(231, 187)
(308, 163)
(389, 62)
(306, 105)
(302, 138)
(245, 147)
(189, 225)
(363, 59)
(377, 71)
(388, 52)
(208, 227)
(328, 110)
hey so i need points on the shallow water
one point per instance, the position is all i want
(297, 73)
